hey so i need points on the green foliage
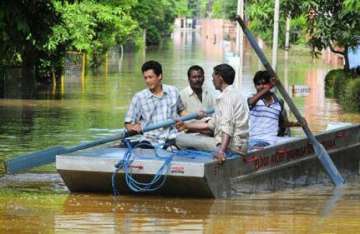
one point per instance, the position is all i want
(91, 27)
(25, 28)
(330, 78)
(352, 5)
(218, 9)
(351, 100)
(332, 24)
(36, 34)
(341, 79)
(346, 88)
(260, 14)
(157, 17)
(261, 17)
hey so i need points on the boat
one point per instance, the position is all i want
(290, 164)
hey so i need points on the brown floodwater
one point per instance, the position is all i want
(316, 209)
(87, 105)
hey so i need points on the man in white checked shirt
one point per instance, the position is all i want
(157, 103)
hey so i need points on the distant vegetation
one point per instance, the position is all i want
(318, 23)
(37, 34)
(345, 87)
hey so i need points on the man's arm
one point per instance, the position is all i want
(289, 124)
(220, 153)
(192, 126)
(132, 116)
(254, 99)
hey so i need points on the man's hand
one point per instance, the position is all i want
(134, 128)
(273, 81)
(268, 86)
(220, 156)
(302, 122)
(180, 125)
(201, 114)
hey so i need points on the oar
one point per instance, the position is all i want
(28, 161)
(319, 149)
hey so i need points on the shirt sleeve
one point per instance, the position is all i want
(226, 124)
(134, 113)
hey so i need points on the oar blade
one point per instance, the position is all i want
(24, 162)
(328, 164)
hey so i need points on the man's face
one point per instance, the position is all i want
(196, 79)
(217, 81)
(151, 79)
(261, 84)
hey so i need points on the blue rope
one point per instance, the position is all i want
(156, 182)
(160, 177)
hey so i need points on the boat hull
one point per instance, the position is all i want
(281, 166)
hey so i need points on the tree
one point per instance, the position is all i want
(157, 17)
(36, 34)
(26, 27)
(332, 24)
(92, 27)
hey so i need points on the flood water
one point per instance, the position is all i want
(88, 105)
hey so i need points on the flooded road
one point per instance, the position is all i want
(312, 210)
(85, 106)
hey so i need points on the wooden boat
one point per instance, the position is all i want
(280, 166)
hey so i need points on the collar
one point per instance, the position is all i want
(274, 99)
(190, 91)
(225, 91)
(165, 89)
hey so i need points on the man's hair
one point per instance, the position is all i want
(262, 75)
(195, 68)
(226, 72)
(153, 65)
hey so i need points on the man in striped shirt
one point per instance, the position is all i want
(268, 120)
(229, 123)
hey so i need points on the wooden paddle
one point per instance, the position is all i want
(319, 149)
(28, 161)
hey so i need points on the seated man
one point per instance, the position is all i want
(268, 119)
(229, 123)
(196, 97)
(157, 103)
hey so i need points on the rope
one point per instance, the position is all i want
(156, 182)
(159, 178)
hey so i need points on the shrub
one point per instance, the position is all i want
(329, 83)
(351, 99)
(340, 81)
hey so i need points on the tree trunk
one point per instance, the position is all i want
(287, 31)
(275, 34)
(346, 59)
(209, 8)
(28, 69)
(29, 58)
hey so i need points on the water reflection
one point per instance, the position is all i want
(312, 210)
